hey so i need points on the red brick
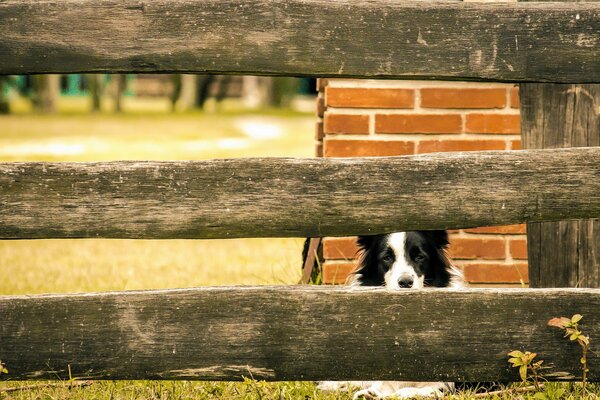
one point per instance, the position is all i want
(496, 273)
(515, 102)
(493, 123)
(335, 147)
(486, 248)
(369, 97)
(337, 271)
(518, 248)
(346, 123)
(463, 98)
(431, 146)
(340, 248)
(418, 123)
(320, 106)
(505, 230)
(515, 144)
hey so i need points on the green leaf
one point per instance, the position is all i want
(515, 361)
(515, 353)
(523, 372)
(540, 396)
(582, 360)
(576, 318)
(574, 336)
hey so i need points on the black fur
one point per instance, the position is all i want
(426, 251)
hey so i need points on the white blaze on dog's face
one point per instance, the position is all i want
(402, 273)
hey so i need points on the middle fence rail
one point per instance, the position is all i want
(296, 197)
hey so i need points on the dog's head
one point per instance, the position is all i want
(404, 260)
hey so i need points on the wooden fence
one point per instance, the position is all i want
(280, 333)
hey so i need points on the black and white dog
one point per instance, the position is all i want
(399, 261)
(406, 260)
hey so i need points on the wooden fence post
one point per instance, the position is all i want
(563, 253)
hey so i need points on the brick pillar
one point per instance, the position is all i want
(389, 118)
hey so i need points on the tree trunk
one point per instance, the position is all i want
(4, 103)
(94, 82)
(118, 90)
(184, 93)
(46, 91)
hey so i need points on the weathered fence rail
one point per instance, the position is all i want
(293, 333)
(555, 42)
(296, 197)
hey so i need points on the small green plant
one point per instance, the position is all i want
(3, 369)
(524, 361)
(551, 393)
(571, 328)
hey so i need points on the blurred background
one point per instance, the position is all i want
(97, 117)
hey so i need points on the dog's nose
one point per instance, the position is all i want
(406, 282)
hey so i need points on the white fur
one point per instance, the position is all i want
(401, 268)
(384, 389)
(457, 278)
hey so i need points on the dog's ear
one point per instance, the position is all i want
(365, 242)
(440, 238)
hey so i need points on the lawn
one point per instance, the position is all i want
(74, 135)
(147, 131)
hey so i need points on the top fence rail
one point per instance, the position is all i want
(544, 42)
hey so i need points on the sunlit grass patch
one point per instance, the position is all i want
(155, 137)
(86, 265)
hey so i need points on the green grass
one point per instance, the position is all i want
(160, 390)
(90, 265)
(43, 266)
(78, 136)
(147, 131)
(249, 389)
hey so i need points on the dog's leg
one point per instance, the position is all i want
(342, 386)
(374, 390)
(403, 390)
(424, 389)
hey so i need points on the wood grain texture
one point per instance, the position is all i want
(377, 38)
(293, 333)
(265, 197)
(562, 253)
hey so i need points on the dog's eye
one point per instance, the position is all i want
(388, 259)
(419, 257)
